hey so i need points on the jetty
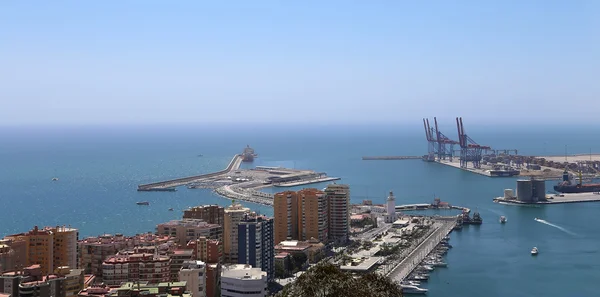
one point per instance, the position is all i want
(416, 256)
(366, 158)
(169, 185)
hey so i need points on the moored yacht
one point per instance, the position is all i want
(410, 289)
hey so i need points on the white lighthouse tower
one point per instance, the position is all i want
(390, 206)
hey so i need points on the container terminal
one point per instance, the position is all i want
(243, 184)
(466, 154)
(533, 191)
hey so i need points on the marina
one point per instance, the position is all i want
(411, 263)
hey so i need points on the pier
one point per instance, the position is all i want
(408, 264)
(553, 199)
(234, 164)
(391, 157)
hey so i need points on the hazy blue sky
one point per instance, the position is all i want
(298, 61)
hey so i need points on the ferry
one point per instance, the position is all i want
(534, 251)
(143, 203)
(502, 219)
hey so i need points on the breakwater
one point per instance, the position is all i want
(234, 164)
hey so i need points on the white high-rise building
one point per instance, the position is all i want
(194, 274)
(390, 206)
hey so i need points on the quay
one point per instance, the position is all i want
(443, 227)
(391, 158)
(553, 199)
(307, 182)
(169, 185)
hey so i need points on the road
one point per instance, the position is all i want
(408, 264)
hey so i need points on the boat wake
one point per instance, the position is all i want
(555, 226)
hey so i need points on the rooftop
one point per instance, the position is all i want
(361, 265)
(243, 272)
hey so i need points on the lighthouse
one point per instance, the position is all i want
(390, 206)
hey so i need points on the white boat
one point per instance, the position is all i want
(427, 267)
(54, 178)
(410, 289)
(534, 251)
(502, 219)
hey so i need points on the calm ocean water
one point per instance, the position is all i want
(99, 169)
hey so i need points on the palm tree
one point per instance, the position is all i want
(327, 280)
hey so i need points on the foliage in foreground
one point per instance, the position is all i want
(327, 280)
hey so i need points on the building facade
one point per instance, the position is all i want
(207, 250)
(255, 243)
(339, 211)
(136, 266)
(285, 216)
(178, 257)
(233, 216)
(51, 247)
(314, 215)
(193, 273)
(186, 230)
(94, 250)
(212, 214)
(243, 281)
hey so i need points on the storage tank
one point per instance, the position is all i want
(525, 190)
(539, 190)
(509, 194)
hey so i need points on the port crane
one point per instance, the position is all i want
(445, 144)
(431, 149)
(470, 151)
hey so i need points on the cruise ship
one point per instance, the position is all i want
(248, 154)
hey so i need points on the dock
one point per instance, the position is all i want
(167, 185)
(554, 199)
(307, 182)
(391, 157)
(408, 264)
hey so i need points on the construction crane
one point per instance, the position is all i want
(470, 151)
(445, 145)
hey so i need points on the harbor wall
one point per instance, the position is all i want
(234, 164)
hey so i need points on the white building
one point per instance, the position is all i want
(241, 280)
(194, 274)
(390, 206)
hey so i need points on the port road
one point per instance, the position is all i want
(416, 256)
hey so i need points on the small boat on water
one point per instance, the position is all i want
(170, 209)
(54, 178)
(534, 251)
(143, 203)
(502, 219)
(410, 289)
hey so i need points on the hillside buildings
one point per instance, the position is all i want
(50, 247)
(193, 273)
(310, 213)
(212, 214)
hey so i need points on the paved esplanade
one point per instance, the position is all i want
(408, 264)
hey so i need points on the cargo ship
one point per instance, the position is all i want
(248, 154)
(566, 186)
(504, 171)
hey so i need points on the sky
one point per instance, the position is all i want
(299, 62)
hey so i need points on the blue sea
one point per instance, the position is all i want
(99, 169)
